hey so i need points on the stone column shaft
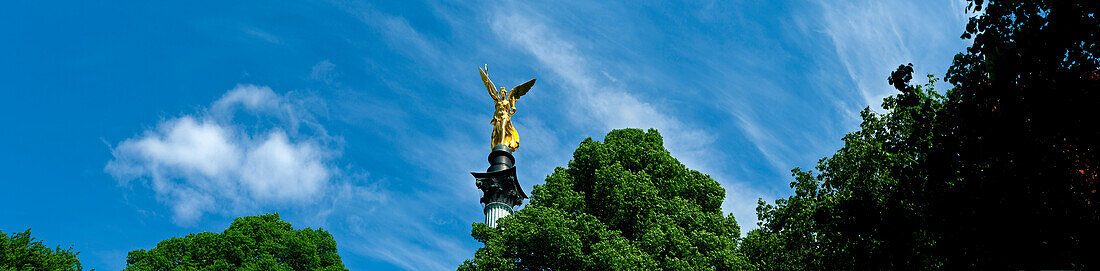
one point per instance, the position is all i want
(494, 211)
(500, 185)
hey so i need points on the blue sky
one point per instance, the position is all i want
(131, 122)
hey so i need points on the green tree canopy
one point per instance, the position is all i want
(866, 207)
(262, 242)
(21, 252)
(622, 204)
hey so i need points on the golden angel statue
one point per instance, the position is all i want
(503, 132)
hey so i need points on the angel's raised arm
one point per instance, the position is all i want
(488, 84)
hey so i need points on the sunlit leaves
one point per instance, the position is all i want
(261, 242)
(21, 252)
(622, 204)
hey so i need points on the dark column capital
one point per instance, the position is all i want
(499, 182)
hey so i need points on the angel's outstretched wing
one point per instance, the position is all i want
(488, 84)
(521, 89)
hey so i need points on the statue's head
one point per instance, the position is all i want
(502, 92)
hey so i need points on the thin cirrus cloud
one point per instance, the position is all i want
(599, 98)
(867, 40)
(254, 148)
(207, 163)
(597, 101)
(871, 38)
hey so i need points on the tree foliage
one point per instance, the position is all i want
(1022, 137)
(865, 208)
(1001, 173)
(21, 252)
(261, 242)
(621, 204)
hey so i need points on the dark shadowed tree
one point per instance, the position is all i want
(21, 252)
(1001, 174)
(261, 242)
(1020, 155)
(622, 204)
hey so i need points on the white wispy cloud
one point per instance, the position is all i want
(262, 35)
(208, 163)
(765, 141)
(871, 38)
(407, 238)
(598, 102)
(323, 71)
(866, 40)
(582, 91)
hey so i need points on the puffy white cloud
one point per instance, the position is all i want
(186, 145)
(280, 170)
(207, 163)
